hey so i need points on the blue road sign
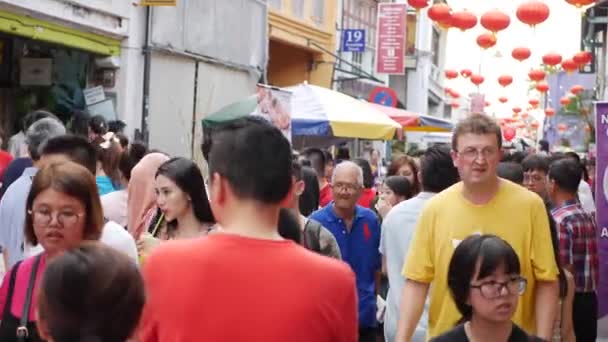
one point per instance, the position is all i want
(353, 40)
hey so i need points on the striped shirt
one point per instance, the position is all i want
(578, 244)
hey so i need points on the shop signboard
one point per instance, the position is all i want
(601, 198)
(391, 31)
(353, 40)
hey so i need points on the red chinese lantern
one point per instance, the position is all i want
(562, 127)
(549, 111)
(537, 75)
(466, 73)
(486, 104)
(455, 105)
(439, 12)
(464, 20)
(477, 79)
(542, 86)
(580, 3)
(503, 99)
(418, 4)
(486, 40)
(524, 115)
(450, 74)
(505, 80)
(582, 58)
(495, 21)
(521, 53)
(535, 124)
(552, 59)
(533, 12)
(508, 133)
(516, 110)
(515, 115)
(564, 101)
(577, 89)
(569, 65)
(521, 125)
(534, 102)
(455, 94)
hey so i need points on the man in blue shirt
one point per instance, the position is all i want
(358, 234)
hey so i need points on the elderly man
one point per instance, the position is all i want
(358, 234)
(12, 206)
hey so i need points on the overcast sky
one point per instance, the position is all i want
(560, 34)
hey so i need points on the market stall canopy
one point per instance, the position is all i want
(412, 122)
(320, 112)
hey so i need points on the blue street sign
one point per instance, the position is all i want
(353, 40)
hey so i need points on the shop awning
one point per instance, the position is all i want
(414, 122)
(37, 29)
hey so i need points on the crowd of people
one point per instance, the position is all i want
(105, 240)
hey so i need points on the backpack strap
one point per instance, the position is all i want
(11, 290)
(22, 332)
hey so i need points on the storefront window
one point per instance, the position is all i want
(319, 12)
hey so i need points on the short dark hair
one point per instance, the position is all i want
(511, 171)
(400, 185)
(76, 181)
(368, 177)
(317, 159)
(79, 123)
(84, 288)
(116, 126)
(476, 124)
(566, 174)
(543, 145)
(309, 200)
(535, 162)
(328, 157)
(437, 169)
(98, 125)
(76, 148)
(188, 177)
(254, 157)
(490, 252)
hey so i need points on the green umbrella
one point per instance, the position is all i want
(233, 111)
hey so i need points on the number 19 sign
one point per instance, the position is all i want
(353, 40)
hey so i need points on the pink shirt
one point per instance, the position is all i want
(20, 289)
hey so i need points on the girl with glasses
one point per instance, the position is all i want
(63, 209)
(485, 283)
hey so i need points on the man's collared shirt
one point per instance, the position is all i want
(576, 230)
(359, 249)
(12, 216)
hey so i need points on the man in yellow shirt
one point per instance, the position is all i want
(482, 203)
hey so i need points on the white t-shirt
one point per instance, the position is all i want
(112, 235)
(585, 196)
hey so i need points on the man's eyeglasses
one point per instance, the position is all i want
(348, 187)
(43, 217)
(473, 153)
(493, 289)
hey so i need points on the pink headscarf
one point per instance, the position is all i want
(142, 199)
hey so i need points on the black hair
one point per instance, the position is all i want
(79, 124)
(342, 153)
(83, 290)
(490, 252)
(98, 125)
(188, 177)
(254, 157)
(574, 156)
(437, 169)
(511, 171)
(400, 185)
(309, 200)
(328, 157)
(289, 225)
(535, 162)
(368, 176)
(76, 148)
(296, 170)
(130, 158)
(543, 145)
(517, 157)
(116, 126)
(566, 173)
(123, 139)
(317, 160)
